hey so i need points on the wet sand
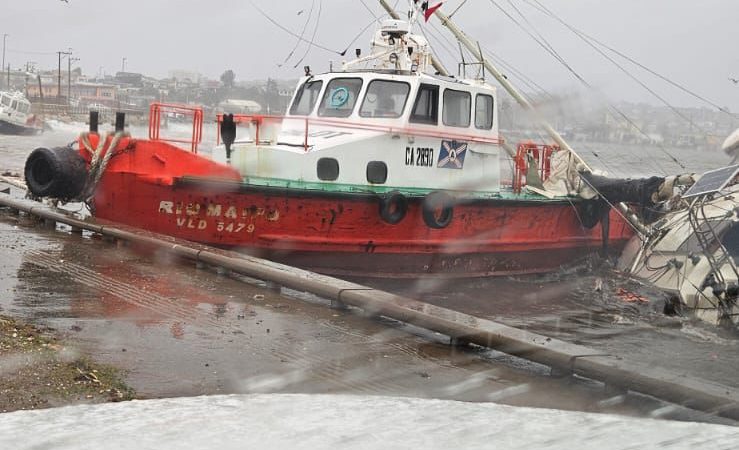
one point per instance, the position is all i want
(38, 371)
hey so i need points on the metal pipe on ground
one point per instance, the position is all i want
(562, 356)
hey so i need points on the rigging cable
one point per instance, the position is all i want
(361, 32)
(313, 37)
(457, 8)
(451, 53)
(618, 111)
(292, 33)
(369, 9)
(635, 79)
(588, 85)
(550, 49)
(523, 78)
(531, 84)
(582, 35)
(545, 46)
(302, 33)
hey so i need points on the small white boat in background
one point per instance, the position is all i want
(16, 116)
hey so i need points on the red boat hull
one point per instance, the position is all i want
(163, 189)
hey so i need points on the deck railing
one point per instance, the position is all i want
(541, 156)
(260, 123)
(156, 110)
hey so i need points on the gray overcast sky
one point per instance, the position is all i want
(693, 42)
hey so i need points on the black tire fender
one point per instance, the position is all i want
(438, 209)
(393, 207)
(59, 172)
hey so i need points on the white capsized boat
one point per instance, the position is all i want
(691, 251)
(16, 116)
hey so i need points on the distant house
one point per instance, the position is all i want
(129, 78)
(210, 84)
(49, 90)
(185, 76)
(95, 93)
(235, 106)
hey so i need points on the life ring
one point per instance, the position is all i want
(590, 212)
(339, 97)
(438, 210)
(393, 207)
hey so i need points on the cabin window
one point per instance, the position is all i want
(6, 101)
(327, 169)
(484, 111)
(730, 241)
(385, 99)
(24, 108)
(426, 106)
(376, 172)
(306, 98)
(719, 227)
(456, 112)
(14, 105)
(340, 97)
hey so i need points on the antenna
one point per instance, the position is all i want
(462, 68)
(482, 56)
(434, 60)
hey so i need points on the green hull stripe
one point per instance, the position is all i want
(407, 191)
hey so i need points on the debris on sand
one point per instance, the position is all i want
(39, 371)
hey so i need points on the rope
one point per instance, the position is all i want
(98, 164)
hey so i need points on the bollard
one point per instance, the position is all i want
(614, 390)
(120, 121)
(458, 342)
(337, 304)
(94, 119)
(557, 372)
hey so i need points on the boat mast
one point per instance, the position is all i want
(475, 50)
(642, 229)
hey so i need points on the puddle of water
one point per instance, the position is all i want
(179, 331)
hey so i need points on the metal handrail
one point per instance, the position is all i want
(155, 121)
(259, 120)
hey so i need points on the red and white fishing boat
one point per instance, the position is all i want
(380, 168)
